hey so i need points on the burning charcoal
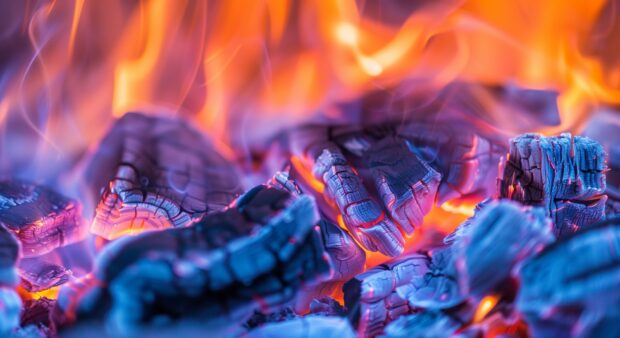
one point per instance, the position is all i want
(38, 275)
(304, 327)
(253, 256)
(572, 282)
(492, 242)
(41, 219)
(362, 215)
(426, 324)
(407, 185)
(156, 173)
(440, 288)
(10, 306)
(376, 296)
(466, 160)
(564, 174)
(9, 253)
(346, 256)
(36, 312)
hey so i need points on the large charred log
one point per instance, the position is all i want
(250, 257)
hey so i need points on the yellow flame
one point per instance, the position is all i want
(486, 305)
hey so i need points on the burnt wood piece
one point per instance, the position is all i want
(40, 218)
(467, 160)
(489, 245)
(563, 174)
(575, 280)
(388, 291)
(154, 173)
(406, 184)
(36, 312)
(9, 253)
(38, 275)
(254, 256)
(362, 215)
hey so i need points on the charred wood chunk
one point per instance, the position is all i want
(308, 326)
(37, 312)
(440, 288)
(407, 184)
(9, 253)
(10, 307)
(563, 174)
(363, 216)
(425, 324)
(375, 297)
(575, 279)
(254, 256)
(38, 275)
(466, 160)
(40, 218)
(346, 258)
(489, 245)
(155, 173)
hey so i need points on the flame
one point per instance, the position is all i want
(484, 307)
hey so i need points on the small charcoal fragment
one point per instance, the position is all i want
(40, 218)
(563, 174)
(156, 173)
(492, 242)
(36, 312)
(407, 185)
(38, 275)
(571, 281)
(363, 216)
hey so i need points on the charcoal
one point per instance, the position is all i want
(10, 306)
(154, 173)
(490, 244)
(37, 275)
(425, 324)
(466, 160)
(9, 253)
(563, 174)
(363, 216)
(440, 288)
(308, 326)
(254, 256)
(40, 218)
(36, 312)
(407, 185)
(260, 318)
(573, 279)
(388, 291)
(327, 306)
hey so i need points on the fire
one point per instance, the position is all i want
(484, 307)
(243, 77)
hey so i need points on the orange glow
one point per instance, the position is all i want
(306, 175)
(51, 293)
(486, 305)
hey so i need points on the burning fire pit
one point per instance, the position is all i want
(305, 168)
